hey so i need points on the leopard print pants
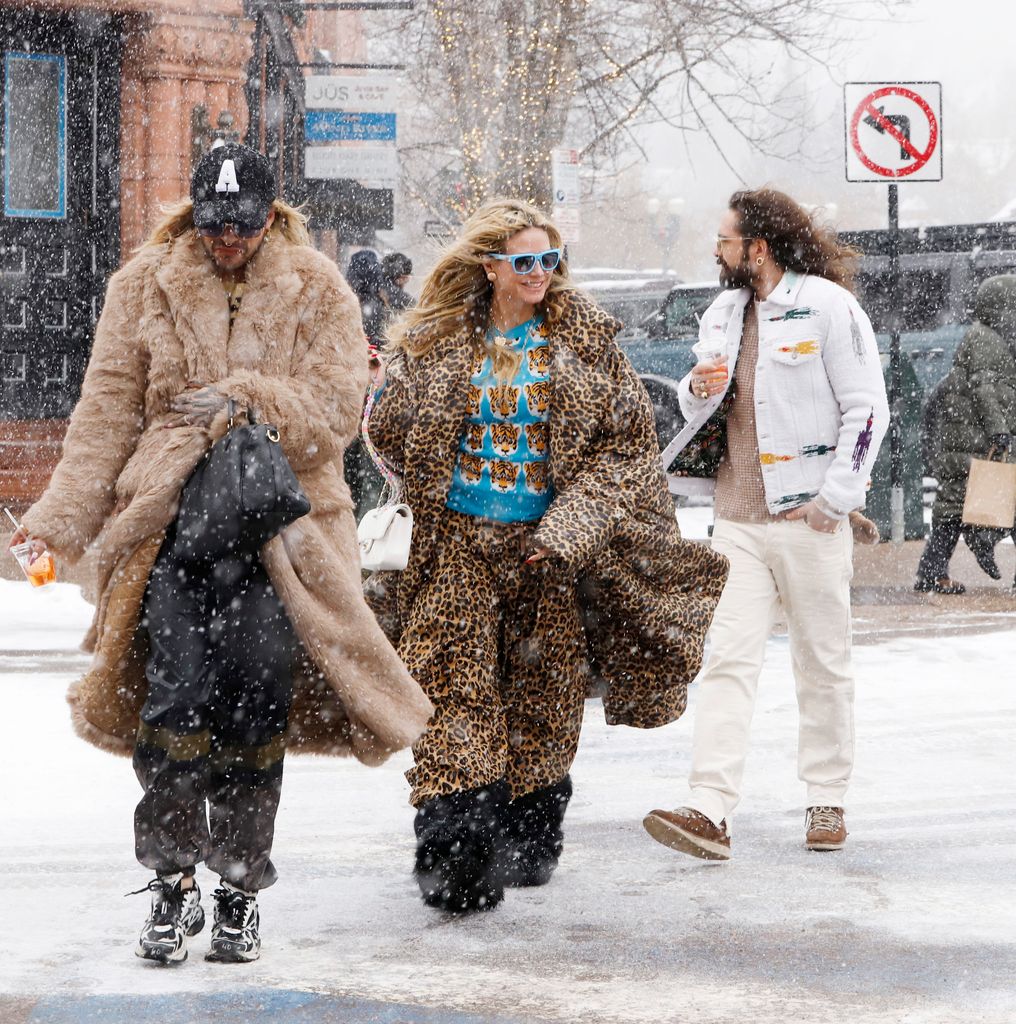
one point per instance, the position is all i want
(498, 647)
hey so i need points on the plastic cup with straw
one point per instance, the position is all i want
(38, 566)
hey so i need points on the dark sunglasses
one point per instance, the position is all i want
(241, 229)
(524, 262)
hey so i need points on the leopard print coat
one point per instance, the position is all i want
(648, 595)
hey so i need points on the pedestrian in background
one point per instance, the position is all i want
(972, 413)
(396, 270)
(364, 276)
(528, 453)
(193, 669)
(797, 371)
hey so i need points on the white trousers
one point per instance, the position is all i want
(808, 573)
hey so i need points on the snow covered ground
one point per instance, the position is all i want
(914, 923)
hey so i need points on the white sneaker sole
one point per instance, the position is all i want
(231, 956)
(160, 954)
(677, 838)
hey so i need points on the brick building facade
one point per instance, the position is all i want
(101, 101)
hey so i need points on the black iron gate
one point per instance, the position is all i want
(59, 223)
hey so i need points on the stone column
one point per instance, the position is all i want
(172, 62)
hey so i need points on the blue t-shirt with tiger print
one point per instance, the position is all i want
(502, 462)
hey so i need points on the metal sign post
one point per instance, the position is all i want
(893, 131)
(895, 373)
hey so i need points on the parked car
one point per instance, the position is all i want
(629, 295)
(659, 348)
(941, 269)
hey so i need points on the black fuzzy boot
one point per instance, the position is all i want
(981, 541)
(533, 839)
(455, 845)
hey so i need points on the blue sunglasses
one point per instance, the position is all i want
(524, 262)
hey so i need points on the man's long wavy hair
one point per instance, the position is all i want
(795, 239)
(457, 294)
(178, 218)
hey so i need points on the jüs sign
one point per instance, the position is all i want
(362, 94)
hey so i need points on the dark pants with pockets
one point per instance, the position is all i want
(211, 740)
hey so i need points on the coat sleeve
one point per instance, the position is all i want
(854, 369)
(622, 472)
(104, 428)
(394, 413)
(984, 355)
(317, 406)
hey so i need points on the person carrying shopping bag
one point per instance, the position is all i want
(545, 550)
(975, 417)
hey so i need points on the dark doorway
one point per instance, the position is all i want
(59, 220)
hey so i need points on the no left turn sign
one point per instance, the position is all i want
(893, 131)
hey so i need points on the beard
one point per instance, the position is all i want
(738, 276)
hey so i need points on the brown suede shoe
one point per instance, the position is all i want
(825, 828)
(690, 832)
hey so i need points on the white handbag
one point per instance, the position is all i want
(384, 533)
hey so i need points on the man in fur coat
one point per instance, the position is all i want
(208, 672)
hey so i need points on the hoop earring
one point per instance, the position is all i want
(760, 260)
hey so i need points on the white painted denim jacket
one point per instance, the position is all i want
(820, 403)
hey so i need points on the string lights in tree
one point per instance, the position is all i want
(499, 85)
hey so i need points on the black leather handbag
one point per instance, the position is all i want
(239, 496)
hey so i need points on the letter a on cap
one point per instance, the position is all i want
(227, 178)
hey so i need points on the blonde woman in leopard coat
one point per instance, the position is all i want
(545, 552)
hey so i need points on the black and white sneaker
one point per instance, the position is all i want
(235, 937)
(176, 915)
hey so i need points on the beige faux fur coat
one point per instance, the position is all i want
(296, 355)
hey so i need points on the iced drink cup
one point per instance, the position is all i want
(36, 562)
(710, 351)
(38, 567)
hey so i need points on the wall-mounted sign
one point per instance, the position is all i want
(343, 126)
(362, 93)
(371, 166)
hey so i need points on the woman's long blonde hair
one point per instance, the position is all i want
(178, 218)
(457, 294)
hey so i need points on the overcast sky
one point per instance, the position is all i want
(967, 45)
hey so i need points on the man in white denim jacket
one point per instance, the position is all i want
(802, 426)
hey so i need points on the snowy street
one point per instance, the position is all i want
(914, 922)
(323, 321)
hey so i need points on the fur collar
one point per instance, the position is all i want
(584, 328)
(199, 309)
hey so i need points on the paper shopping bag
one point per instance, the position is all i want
(991, 494)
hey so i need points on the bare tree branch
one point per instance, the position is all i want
(503, 83)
